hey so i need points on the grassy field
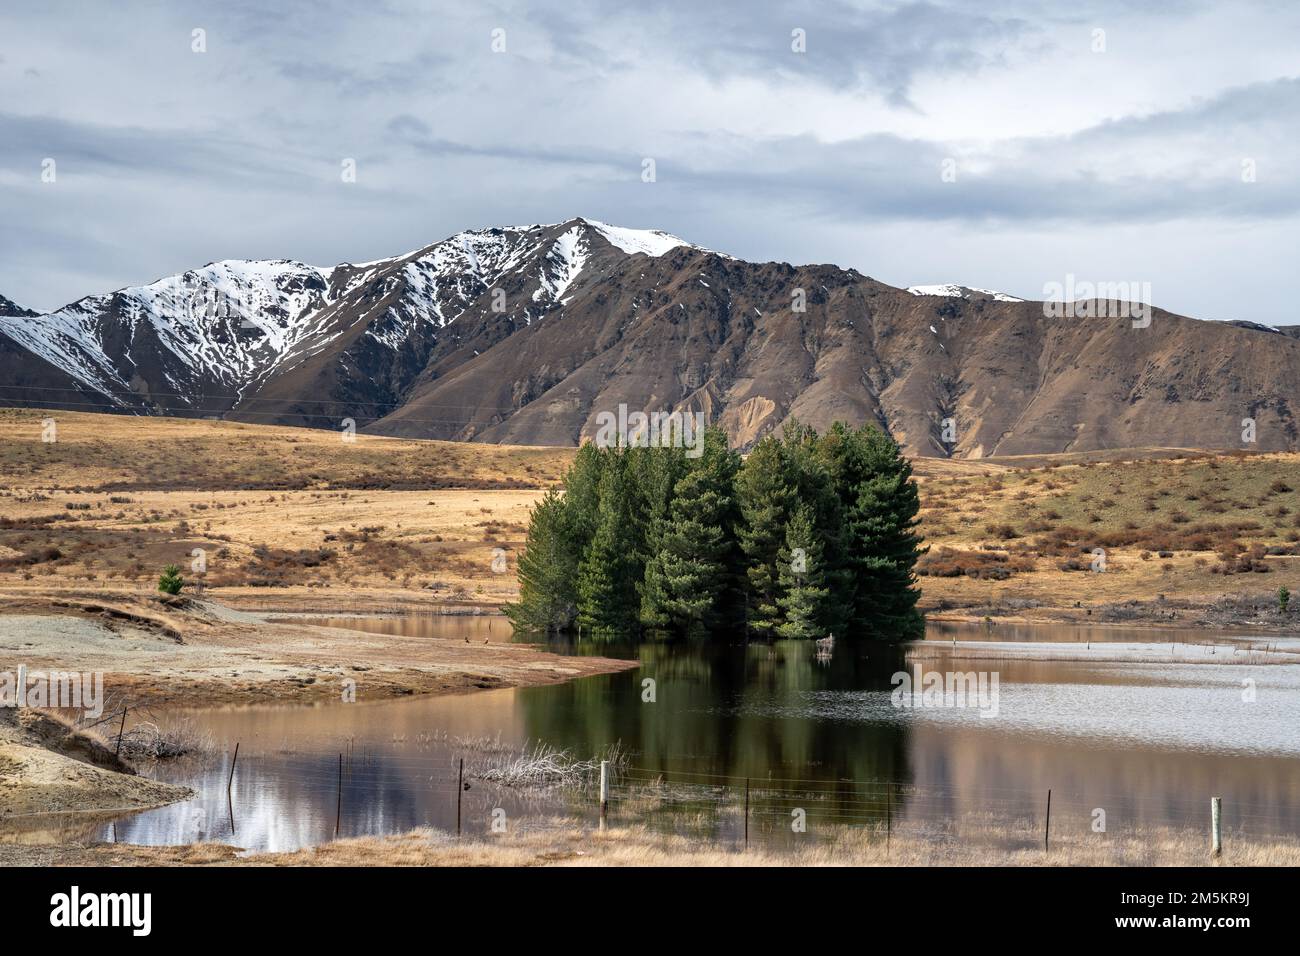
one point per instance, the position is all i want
(569, 845)
(298, 518)
(1216, 532)
(274, 510)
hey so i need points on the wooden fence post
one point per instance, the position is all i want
(338, 813)
(746, 813)
(120, 731)
(460, 788)
(1047, 830)
(231, 779)
(604, 791)
(889, 815)
(1216, 826)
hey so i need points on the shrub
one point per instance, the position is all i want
(170, 581)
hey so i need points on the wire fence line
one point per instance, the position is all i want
(716, 807)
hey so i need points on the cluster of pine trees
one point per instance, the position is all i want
(809, 535)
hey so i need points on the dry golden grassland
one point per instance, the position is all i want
(88, 522)
(293, 518)
(1195, 537)
(567, 845)
(276, 510)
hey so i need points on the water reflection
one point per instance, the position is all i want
(1149, 743)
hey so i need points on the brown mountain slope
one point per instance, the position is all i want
(527, 334)
(697, 331)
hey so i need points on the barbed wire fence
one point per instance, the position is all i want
(718, 810)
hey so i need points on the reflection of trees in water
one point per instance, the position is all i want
(734, 712)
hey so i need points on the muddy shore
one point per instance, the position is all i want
(182, 651)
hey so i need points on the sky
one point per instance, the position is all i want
(997, 144)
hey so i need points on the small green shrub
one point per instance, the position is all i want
(170, 581)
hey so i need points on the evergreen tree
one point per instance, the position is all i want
(884, 542)
(763, 498)
(608, 574)
(691, 579)
(814, 486)
(655, 483)
(582, 492)
(804, 596)
(649, 537)
(547, 569)
(170, 581)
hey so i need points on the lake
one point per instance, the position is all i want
(1149, 743)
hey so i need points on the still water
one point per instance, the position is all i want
(1150, 742)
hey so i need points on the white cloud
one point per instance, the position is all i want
(1068, 160)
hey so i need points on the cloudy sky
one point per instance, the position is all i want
(997, 144)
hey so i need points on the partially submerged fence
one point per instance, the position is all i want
(736, 812)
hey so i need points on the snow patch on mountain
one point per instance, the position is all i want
(961, 292)
(563, 264)
(651, 242)
(67, 341)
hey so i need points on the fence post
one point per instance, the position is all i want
(1047, 830)
(889, 815)
(120, 731)
(746, 813)
(338, 813)
(460, 788)
(1216, 825)
(231, 779)
(604, 791)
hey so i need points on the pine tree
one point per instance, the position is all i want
(647, 537)
(655, 483)
(803, 572)
(885, 545)
(763, 498)
(170, 581)
(691, 582)
(814, 486)
(547, 571)
(608, 574)
(582, 491)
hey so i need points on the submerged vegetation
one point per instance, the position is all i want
(809, 535)
(545, 766)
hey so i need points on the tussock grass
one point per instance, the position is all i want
(566, 845)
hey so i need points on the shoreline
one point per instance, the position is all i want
(195, 653)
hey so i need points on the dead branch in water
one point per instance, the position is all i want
(545, 766)
(178, 738)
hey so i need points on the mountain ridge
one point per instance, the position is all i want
(525, 334)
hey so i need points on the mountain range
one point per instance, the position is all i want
(524, 335)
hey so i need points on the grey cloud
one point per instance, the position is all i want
(236, 154)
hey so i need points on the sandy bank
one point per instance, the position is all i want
(200, 652)
(49, 767)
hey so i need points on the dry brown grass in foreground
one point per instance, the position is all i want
(638, 846)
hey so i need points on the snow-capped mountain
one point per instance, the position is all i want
(201, 340)
(525, 334)
(961, 292)
(9, 307)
